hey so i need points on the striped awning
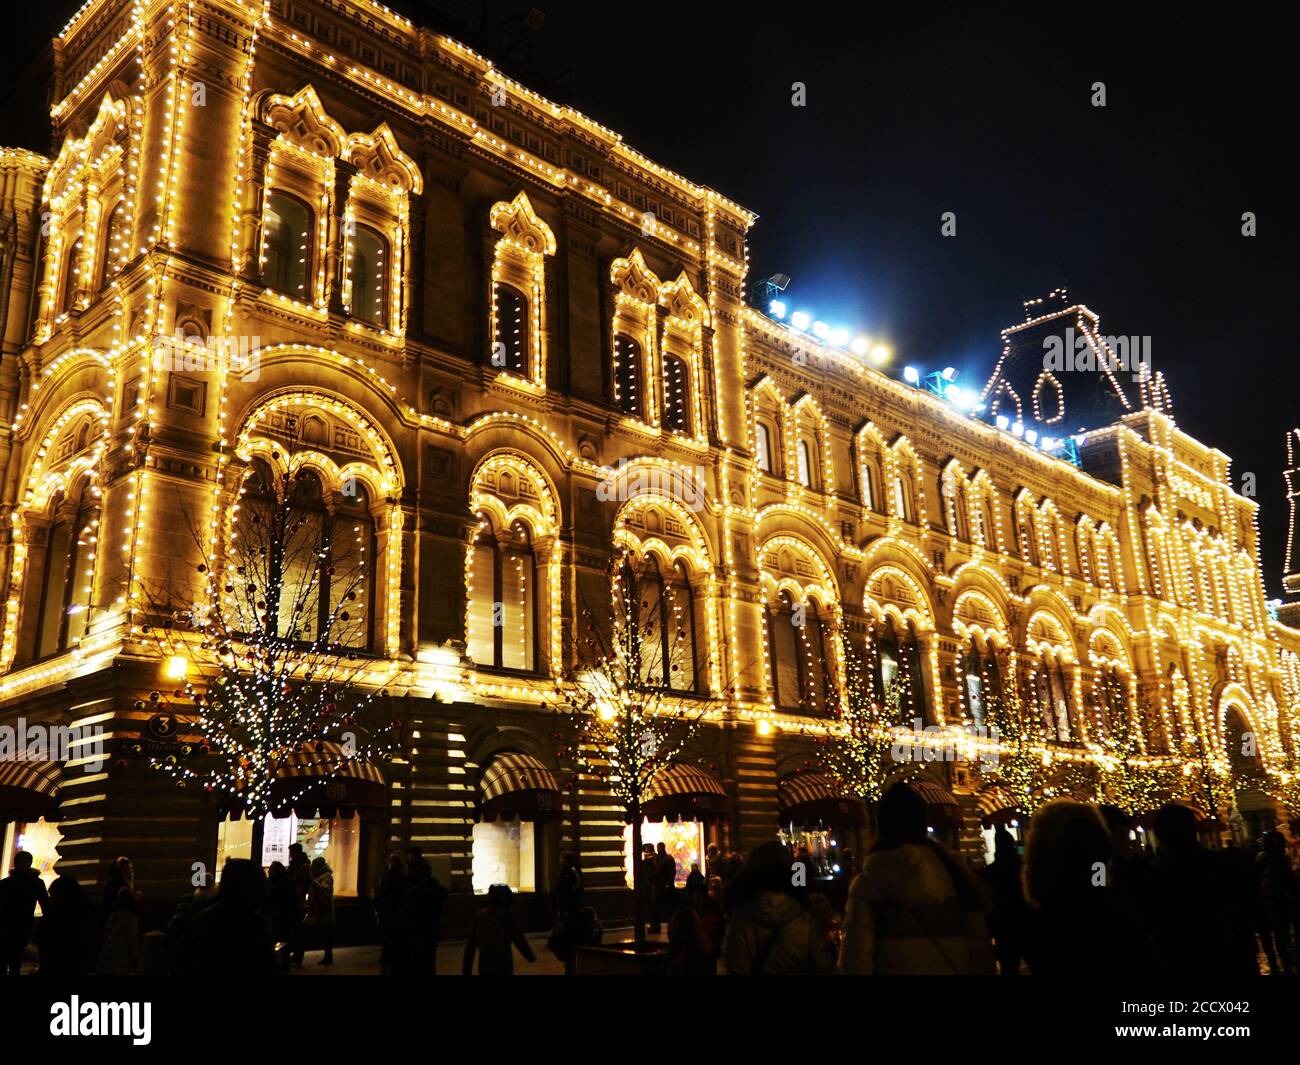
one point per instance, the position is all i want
(1199, 811)
(320, 779)
(935, 795)
(519, 786)
(810, 798)
(29, 790)
(996, 804)
(684, 792)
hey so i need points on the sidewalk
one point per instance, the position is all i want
(364, 961)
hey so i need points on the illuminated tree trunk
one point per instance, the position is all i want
(638, 897)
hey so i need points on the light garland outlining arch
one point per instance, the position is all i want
(39, 487)
(698, 557)
(819, 585)
(519, 260)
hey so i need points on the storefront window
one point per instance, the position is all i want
(988, 835)
(40, 839)
(821, 844)
(504, 853)
(336, 839)
(684, 840)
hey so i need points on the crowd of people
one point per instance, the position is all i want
(1084, 897)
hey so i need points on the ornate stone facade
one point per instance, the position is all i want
(517, 332)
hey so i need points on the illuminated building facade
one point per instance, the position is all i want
(528, 343)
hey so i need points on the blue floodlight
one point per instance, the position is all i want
(911, 375)
(776, 309)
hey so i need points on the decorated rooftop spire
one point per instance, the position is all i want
(1291, 567)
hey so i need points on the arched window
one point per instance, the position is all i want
(368, 272)
(286, 246)
(973, 687)
(651, 613)
(783, 641)
(627, 375)
(683, 668)
(352, 584)
(677, 395)
(63, 605)
(902, 498)
(510, 325)
(503, 600)
(71, 277)
(763, 447)
(803, 455)
(868, 486)
(816, 687)
(110, 241)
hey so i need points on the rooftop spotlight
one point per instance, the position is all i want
(1002, 422)
(860, 346)
(800, 319)
(880, 354)
(776, 309)
(911, 375)
(821, 330)
(840, 338)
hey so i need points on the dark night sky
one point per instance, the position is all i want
(914, 110)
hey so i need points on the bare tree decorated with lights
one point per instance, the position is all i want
(1128, 777)
(859, 754)
(626, 714)
(1024, 770)
(268, 654)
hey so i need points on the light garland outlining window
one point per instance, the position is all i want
(518, 292)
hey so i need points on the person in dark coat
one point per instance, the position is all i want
(649, 888)
(665, 884)
(494, 935)
(283, 908)
(187, 908)
(413, 943)
(1200, 911)
(1010, 914)
(20, 891)
(771, 930)
(388, 897)
(569, 929)
(231, 939)
(67, 935)
(300, 874)
(695, 934)
(1079, 925)
(121, 874)
(1279, 897)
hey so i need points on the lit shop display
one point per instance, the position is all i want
(40, 839)
(684, 840)
(518, 797)
(504, 853)
(336, 839)
(815, 817)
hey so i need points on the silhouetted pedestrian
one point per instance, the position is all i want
(231, 938)
(569, 929)
(1279, 897)
(1079, 925)
(300, 874)
(494, 935)
(20, 891)
(388, 898)
(120, 954)
(1009, 916)
(1200, 912)
(319, 919)
(283, 909)
(413, 943)
(68, 933)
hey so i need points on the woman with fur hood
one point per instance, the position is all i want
(914, 909)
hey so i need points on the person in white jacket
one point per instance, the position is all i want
(914, 909)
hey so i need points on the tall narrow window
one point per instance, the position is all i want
(286, 242)
(816, 687)
(784, 650)
(763, 447)
(627, 375)
(683, 671)
(71, 277)
(868, 487)
(111, 238)
(652, 640)
(61, 611)
(510, 338)
(502, 601)
(974, 677)
(803, 455)
(368, 272)
(902, 499)
(352, 585)
(677, 398)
